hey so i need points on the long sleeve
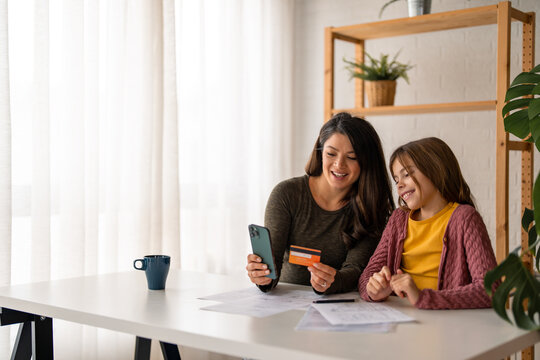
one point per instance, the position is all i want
(277, 218)
(464, 269)
(357, 260)
(294, 218)
(387, 252)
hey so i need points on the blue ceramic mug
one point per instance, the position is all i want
(156, 268)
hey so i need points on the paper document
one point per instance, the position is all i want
(254, 302)
(360, 313)
(314, 321)
(256, 307)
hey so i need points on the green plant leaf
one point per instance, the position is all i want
(515, 104)
(378, 69)
(536, 69)
(527, 219)
(536, 203)
(526, 320)
(518, 91)
(534, 126)
(517, 277)
(518, 124)
(534, 108)
(534, 240)
(526, 78)
(535, 90)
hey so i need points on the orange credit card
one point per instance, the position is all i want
(304, 256)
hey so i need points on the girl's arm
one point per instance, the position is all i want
(479, 258)
(357, 259)
(381, 255)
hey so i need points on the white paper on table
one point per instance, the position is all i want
(251, 306)
(234, 295)
(295, 298)
(314, 321)
(360, 312)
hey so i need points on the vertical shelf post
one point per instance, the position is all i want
(328, 73)
(527, 158)
(359, 83)
(501, 178)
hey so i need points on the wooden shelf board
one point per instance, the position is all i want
(422, 109)
(479, 16)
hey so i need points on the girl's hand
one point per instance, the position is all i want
(322, 276)
(403, 285)
(257, 271)
(378, 286)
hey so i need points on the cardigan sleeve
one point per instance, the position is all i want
(381, 256)
(479, 260)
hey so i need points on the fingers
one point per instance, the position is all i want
(319, 284)
(403, 285)
(257, 271)
(322, 276)
(385, 271)
(378, 288)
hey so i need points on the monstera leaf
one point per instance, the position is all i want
(519, 284)
(512, 280)
(522, 110)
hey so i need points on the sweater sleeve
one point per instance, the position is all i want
(277, 218)
(480, 259)
(356, 261)
(379, 257)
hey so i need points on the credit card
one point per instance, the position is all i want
(304, 256)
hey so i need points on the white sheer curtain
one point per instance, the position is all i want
(94, 137)
(234, 61)
(94, 150)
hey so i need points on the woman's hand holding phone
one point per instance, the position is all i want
(257, 270)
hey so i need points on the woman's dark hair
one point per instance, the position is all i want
(370, 198)
(433, 158)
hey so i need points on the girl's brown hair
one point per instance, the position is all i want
(370, 198)
(434, 158)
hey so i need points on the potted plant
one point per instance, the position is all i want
(416, 7)
(521, 118)
(380, 76)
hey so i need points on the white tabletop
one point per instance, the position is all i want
(122, 302)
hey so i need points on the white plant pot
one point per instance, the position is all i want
(419, 7)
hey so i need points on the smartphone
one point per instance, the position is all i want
(262, 246)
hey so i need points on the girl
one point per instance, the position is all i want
(435, 250)
(339, 207)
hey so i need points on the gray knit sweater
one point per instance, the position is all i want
(294, 218)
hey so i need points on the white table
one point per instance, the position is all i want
(121, 302)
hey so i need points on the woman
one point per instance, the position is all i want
(340, 208)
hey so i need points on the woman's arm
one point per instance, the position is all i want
(357, 259)
(277, 219)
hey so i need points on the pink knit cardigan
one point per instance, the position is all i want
(466, 257)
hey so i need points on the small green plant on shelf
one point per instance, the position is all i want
(521, 118)
(380, 76)
(378, 69)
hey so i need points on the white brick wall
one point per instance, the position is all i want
(456, 65)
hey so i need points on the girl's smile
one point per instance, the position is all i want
(416, 189)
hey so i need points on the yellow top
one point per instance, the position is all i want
(423, 246)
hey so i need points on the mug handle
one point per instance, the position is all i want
(143, 264)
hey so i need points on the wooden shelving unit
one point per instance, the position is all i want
(501, 14)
